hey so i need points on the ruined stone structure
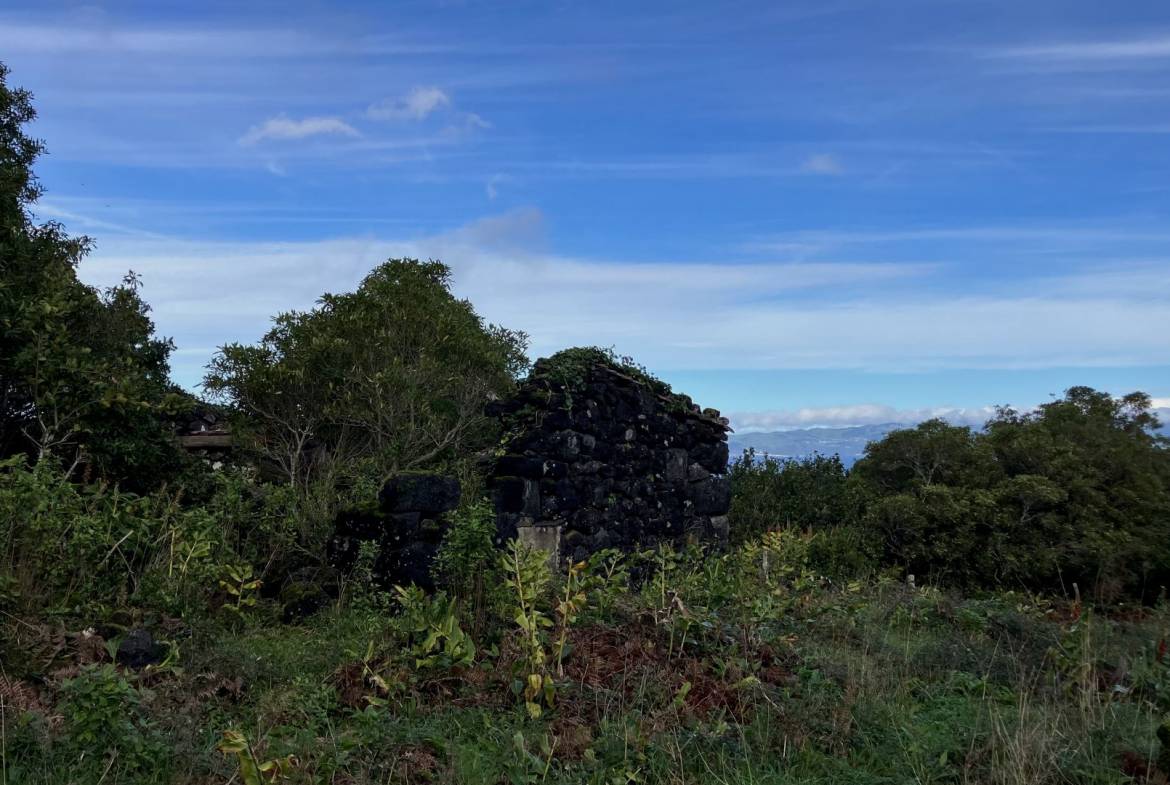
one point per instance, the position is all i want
(600, 455)
(597, 454)
(406, 524)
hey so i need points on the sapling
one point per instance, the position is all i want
(569, 608)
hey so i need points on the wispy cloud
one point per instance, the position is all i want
(1127, 49)
(822, 163)
(283, 127)
(1045, 237)
(101, 37)
(415, 105)
(1138, 128)
(492, 187)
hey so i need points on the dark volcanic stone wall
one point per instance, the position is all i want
(407, 525)
(599, 456)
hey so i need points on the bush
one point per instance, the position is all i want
(105, 729)
(68, 545)
(769, 493)
(844, 552)
(1076, 492)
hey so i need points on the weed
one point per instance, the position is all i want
(239, 584)
(527, 573)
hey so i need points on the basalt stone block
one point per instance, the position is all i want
(712, 457)
(558, 419)
(408, 565)
(426, 493)
(361, 522)
(342, 551)
(139, 649)
(720, 527)
(405, 523)
(431, 530)
(711, 496)
(520, 466)
(676, 464)
(585, 468)
(696, 472)
(565, 445)
(516, 495)
(507, 523)
(556, 469)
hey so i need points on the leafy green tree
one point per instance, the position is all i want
(83, 379)
(393, 376)
(1077, 492)
(769, 493)
(1090, 487)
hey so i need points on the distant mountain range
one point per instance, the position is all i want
(849, 442)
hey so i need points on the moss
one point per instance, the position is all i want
(569, 370)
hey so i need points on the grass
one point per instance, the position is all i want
(701, 677)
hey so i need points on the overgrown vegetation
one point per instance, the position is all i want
(747, 666)
(804, 653)
(567, 371)
(1076, 493)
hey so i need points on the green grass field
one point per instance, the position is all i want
(737, 668)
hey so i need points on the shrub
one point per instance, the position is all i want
(67, 545)
(770, 493)
(106, 729)
(1075, 492)
(467, 559)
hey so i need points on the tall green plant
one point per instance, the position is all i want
(526, 570)
(466, 559)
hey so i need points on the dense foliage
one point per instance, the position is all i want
(391, 377)
(1077, 492)
(83, 378)
(566, 372)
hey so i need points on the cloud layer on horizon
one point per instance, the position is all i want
(756, 314)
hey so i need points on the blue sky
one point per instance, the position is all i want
(801, 213)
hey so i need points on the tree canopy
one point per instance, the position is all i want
(394, 376)
(83, 378)
(1077, 491)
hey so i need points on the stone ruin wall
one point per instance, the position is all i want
(407, 524)
(603, 461)
(608, 462)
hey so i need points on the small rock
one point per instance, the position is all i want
(139, 649)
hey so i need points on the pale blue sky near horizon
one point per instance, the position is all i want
(802, 213)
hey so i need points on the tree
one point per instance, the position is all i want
(769, 493)
(83, 379)
(1090, 485)
(1076, 492)
(393, 376)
